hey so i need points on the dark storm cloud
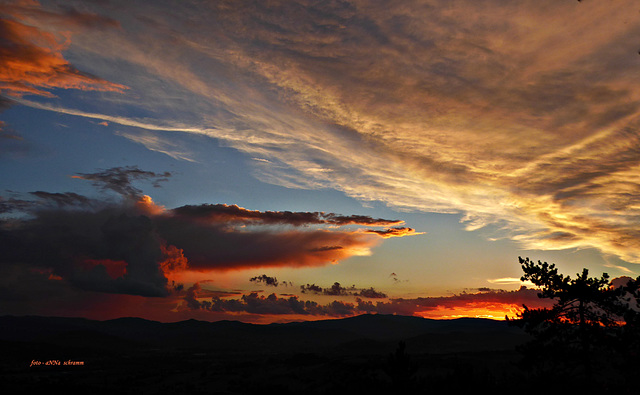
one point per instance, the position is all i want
(357, 220)
(269, 305)
(63, 199)
(221, 246)
(371, 293)
(83, 246)
(229, 213)
(338, 290)
(395, 232)
(325, 248)
(211, 239)
(120, 179)
(91, 244)
(132, 246)
(86, 245)
(310, 288)
(267, 280)
(190, 297)
(13, 205)
(45, 200)
(254, 303)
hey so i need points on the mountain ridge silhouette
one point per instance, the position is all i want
(421, 334)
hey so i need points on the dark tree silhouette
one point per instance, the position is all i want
(591, 331)
(401, 369)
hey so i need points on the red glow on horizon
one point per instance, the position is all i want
(494, 311)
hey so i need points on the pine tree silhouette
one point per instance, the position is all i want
(401, 369)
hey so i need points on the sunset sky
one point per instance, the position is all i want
(236, 159)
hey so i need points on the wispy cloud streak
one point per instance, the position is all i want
(524, 115)
(33, 40)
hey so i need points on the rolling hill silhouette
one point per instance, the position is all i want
(133, 355)
(464, 334)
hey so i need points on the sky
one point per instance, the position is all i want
(274, 161)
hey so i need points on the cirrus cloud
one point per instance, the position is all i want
(32, 60)
(502, 112)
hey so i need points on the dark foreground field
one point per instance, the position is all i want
(358, 355)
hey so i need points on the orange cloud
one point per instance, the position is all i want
(35, 292)
(146, 205)
(489, 304)
(214, 236)
(495, 311)
(395, 232)
(134, 246)
(506, 123)
(31, 60)
(224, 213)
(215, 248)
(174, 263)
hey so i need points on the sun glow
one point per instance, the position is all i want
(494, 311)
